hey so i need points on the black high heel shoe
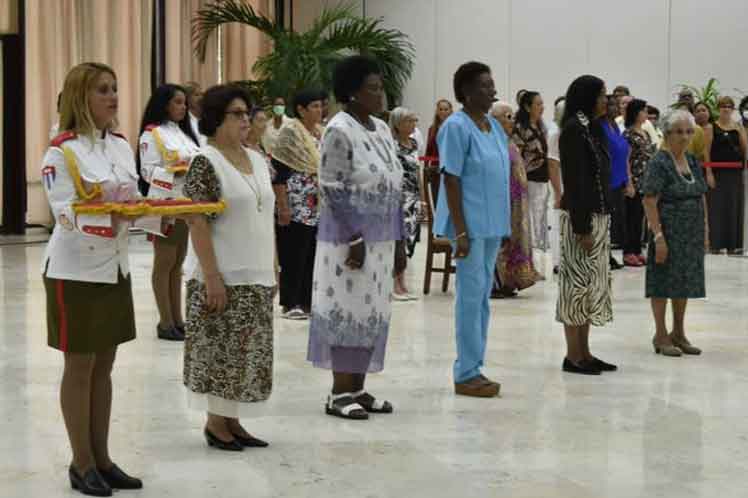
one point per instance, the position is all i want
(214, 442)
(91, 483)
(118, 479)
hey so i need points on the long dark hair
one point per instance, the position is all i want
(522, 118)
(156, 112)
(582, 97)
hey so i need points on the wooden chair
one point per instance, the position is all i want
(434, 245)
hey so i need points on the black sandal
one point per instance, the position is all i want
(371, 404)
(344, 406)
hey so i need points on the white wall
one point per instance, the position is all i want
(649, 45)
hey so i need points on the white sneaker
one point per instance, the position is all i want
(295, 314)
(412, 297)
(400, 297)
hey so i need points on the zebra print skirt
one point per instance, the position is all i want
(584, 281)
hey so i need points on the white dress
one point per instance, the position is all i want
(360, 181)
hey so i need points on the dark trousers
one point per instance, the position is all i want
(617, 215)
(633, 225)
(297, 244)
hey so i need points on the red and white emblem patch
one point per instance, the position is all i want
(49, 173)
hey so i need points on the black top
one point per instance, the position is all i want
(585, 170)
(282, 172)
(725, 145)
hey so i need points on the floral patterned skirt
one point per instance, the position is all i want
(351, 308)
(229, 356)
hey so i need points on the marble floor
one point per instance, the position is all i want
(660, 427)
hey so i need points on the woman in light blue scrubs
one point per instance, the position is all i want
(474, 214)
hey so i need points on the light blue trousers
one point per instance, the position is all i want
(472, 312)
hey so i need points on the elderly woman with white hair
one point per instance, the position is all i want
(675, 204)
(403, 123)
(514, 267)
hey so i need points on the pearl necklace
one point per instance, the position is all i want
(680, 174)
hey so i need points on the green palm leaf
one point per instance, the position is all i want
(307, 59)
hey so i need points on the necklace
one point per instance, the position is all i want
(386, 157)
(246, 175)
(691, 179)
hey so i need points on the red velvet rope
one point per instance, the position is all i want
(725, 165)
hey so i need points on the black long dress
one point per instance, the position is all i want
(725, 202)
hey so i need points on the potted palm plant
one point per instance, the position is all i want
(306, 59)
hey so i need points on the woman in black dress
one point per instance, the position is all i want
(726, 199)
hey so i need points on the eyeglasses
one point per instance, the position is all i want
(239, 114)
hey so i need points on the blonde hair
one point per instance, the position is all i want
(75, 115)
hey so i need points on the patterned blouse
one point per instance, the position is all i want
(642, 151)
(411, 191)
(533, 145)
(303, 193)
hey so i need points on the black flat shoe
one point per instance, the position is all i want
(180, 329)
(118, 479)
(251, 442)
(214, 442)
(615, 265)
(603, 366)
(91, 484)
(583, 368)
(169, 334)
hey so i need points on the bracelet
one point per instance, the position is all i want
(461, 235)
(356, 242)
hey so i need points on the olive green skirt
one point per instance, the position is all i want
(87, 317)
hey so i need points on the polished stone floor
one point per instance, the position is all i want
(660, 427)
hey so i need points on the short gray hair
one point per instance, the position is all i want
(674, 117)
(498, 106)
(397, 116)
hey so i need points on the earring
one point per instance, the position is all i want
(353, 99)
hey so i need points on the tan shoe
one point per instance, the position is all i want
(666, 348)
(477, 388)
(684, 345)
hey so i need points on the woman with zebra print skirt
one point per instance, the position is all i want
(584, 274)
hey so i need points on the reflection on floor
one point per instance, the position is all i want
(661, 427)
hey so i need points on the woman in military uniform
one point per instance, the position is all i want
(85, 268)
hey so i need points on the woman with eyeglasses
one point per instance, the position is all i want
(228, 349)
(514, 267)
(674, 200)
(726, 200)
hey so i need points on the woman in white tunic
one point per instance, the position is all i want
(360, 180)
(228, 350)
(167, 144)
